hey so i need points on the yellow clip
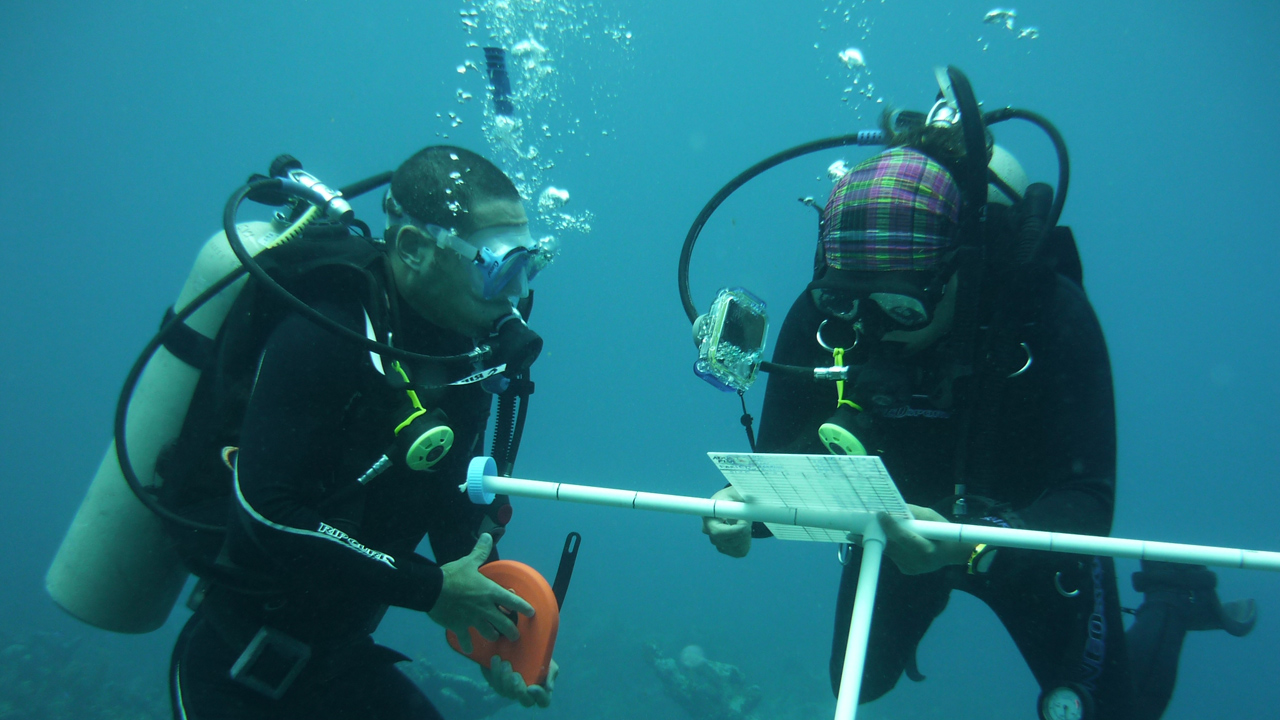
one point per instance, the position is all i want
(838, 354)
(977, 552)
(419, 411)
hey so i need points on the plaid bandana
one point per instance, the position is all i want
(898, 210)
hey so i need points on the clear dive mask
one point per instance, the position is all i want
(505, 258)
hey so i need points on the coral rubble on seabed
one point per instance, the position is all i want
(707, 689)
(50, 676)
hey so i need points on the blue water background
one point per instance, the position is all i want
(125, 125)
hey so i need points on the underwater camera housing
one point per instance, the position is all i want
(731, 339)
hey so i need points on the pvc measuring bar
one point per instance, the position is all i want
(482, 480)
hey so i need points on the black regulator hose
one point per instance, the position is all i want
(464, 361)
(238, 580)
(1059, 147)
(356, 189)
(974, 182)
(865, 137)
(126, 394)
(135, 373)
(973, 179)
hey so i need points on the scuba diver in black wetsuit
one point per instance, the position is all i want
(347, 458)
(978, 372)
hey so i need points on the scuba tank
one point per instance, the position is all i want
(119, 567)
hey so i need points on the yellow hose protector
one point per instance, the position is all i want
(837, 439)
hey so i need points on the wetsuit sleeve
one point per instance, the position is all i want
(290, 442)
(1075, 467)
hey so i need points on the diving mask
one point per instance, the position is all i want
(882, 302)
(505, 258)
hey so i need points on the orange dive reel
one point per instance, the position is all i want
(531, 654)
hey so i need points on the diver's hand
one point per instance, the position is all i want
(508, 683)
(469, 599)
(731, 537)
(915, 555)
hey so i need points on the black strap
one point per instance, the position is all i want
(746, 421)
(187, 345)
(564, 572)
(508, 429)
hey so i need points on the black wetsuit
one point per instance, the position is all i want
(1054, 469)
(320, 416)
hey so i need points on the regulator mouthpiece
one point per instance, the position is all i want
(516, 344)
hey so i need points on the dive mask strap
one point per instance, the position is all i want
(443, 237)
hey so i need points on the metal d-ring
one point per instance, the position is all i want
(1026, 366)
(1057, 585)
(857, 335)
(844, 552)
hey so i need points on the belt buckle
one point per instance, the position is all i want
(271, 662)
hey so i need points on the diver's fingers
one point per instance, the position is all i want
(464, 641)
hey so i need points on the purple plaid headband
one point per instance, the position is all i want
(899, 210)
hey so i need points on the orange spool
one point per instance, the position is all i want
(531, 654)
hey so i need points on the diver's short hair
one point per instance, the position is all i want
(440, 185)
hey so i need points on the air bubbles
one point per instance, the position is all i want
(534, 57)
(469, 18)
(837, 170)
(552, 198)
(551, 202)
(1000, 16)
(619, 33)
(549, 43)
(463, 96)
(852, 58)
(457, 178)
(528, 46)
(1007, 19)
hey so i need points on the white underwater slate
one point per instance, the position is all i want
(827, 482)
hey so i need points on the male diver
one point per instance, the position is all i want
(1037, 445)
(319, 518)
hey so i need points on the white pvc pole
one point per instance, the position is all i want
(1095, 545)
(859, 523)
(864, 524)
(864, 604)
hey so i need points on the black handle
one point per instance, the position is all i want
(567, 558)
